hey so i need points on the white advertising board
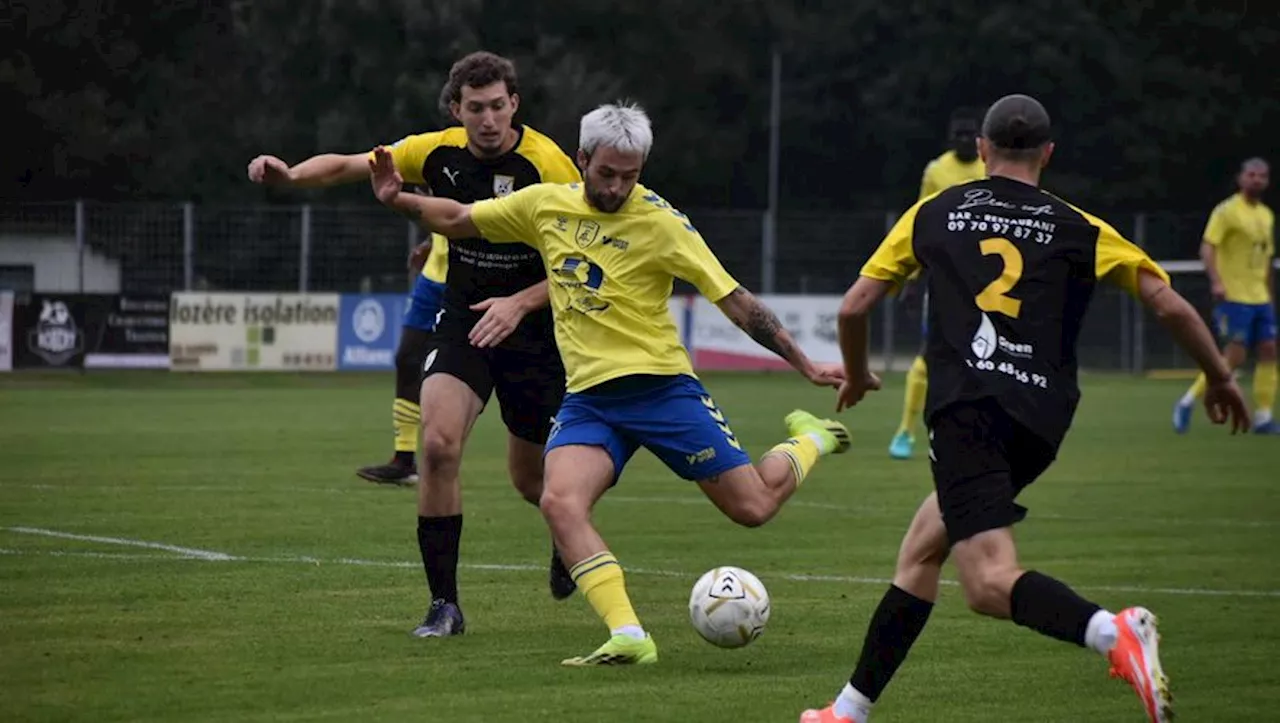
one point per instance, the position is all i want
(228, 331)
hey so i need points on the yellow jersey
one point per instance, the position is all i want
(437, 266)
(948, 170)
(610, 276)
(1242, 235)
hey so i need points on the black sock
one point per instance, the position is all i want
(894, 627)
(1050, 607)
(438, 539)
(404, 459)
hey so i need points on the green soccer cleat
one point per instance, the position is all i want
(620, 650)
(834, 435)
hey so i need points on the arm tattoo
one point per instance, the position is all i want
(763, 326)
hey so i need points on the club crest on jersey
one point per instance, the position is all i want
(503, 186)
(587, 232)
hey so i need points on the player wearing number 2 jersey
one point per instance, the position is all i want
(1011, 269)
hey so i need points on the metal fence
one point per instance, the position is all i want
(168, 247)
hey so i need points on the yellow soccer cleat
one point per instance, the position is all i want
(619, 650)
(834, 435)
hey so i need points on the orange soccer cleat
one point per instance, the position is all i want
(1136, 660)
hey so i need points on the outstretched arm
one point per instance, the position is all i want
(441, 215)
(1222, 396)
(321, 171)
(763, 326)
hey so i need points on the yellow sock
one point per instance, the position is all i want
(801, 452)
(599, 577)
(913, 400)
(406, 415)
(1264, 390)
(1196, 391)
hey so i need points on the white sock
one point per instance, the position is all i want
(1101, 633)
(631, 631)
(1261, 417)
(824, 444)
(1188, 400)
(853, 705)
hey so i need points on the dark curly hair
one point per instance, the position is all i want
(478, 70)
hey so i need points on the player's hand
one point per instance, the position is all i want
(502, 315)
(1218, 290)
(384, 177)
(418, 256)
(269, 170)
(854, 389)
(1225, 402)
(825, 375)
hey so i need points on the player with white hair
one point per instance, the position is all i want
(612, 249)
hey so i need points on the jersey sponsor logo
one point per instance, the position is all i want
(618, 243)
(587, 232)
(562, 223)
(503, 185)
(453, 177)
(984, 340)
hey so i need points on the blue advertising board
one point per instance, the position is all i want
(369, 330)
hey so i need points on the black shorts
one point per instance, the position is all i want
(982, 459)
(526, 373)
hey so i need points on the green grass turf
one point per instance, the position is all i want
(260, 467)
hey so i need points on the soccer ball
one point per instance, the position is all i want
(729, 607)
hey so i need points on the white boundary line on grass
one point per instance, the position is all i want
(186, 553)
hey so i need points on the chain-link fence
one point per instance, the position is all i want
(142, 248)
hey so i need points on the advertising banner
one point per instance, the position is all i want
(6, 331)
(717, 344)
(128, 332)
(369, 330)
(230, 331)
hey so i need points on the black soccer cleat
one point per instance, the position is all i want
(443, 620)
(391, 473)
(561, 583)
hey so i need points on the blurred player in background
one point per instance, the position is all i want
(1239, 243)
(959, 165)
(494, 331)
(612, 249)
(1012, 269)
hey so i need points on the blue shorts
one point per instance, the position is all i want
(671, 416)
(424, 304)
(1248, 324)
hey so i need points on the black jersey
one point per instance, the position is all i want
(479, 270)
(1010, 271)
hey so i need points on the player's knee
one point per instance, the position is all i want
(441, 448)
(562, 510)
(1267, 351)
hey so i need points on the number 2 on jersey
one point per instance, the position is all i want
(995, 296)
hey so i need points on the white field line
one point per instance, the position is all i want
(184, 553)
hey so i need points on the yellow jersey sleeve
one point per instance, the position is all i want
(692, 260)
(928, 184)
(437, 266)
(1118, 261)
(895, 260)
(1215, 231)
(410, 154)
(552, 163)
(509, 218)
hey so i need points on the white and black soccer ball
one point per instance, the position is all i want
(729, 607)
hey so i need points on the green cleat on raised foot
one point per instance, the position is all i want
(834, 435)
